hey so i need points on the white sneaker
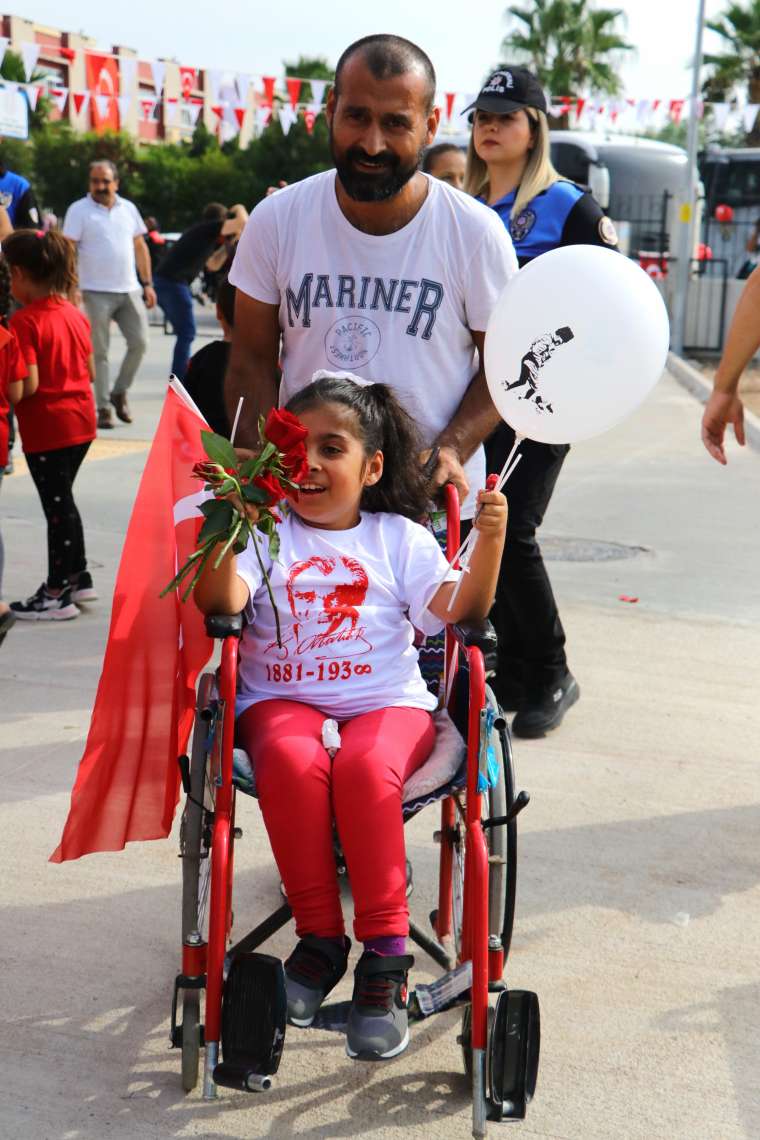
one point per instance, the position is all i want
(43, 606)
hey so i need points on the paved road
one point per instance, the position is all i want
(639, 905)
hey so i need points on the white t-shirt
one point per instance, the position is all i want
(396, 307)
(105, 243)
(347, 602)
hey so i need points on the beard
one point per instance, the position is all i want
(391, 177)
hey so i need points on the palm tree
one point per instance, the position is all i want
(739, 28)
(572, 46)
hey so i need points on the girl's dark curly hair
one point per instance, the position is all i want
(49, 258)
(382, 425)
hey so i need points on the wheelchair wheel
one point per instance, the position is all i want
(501, 842)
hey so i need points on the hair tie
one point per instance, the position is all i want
(324, 374)
(39, 233)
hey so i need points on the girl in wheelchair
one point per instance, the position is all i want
(355, 575)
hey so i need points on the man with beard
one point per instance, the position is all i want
(375, 268)
(109, 235)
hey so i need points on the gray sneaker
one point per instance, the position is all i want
(312, 970)
(378, 1025)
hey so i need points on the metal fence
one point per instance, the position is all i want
(646, 223)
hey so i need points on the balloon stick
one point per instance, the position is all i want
(237, 417)
(465, 551)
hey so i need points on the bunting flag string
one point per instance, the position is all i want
(158, 70)
(227, 88)
(32, 94)
(103, 105)
(317, 93)
(294, 90)
(81, 101)
(269, 82)
(228, 95)
(30, 53)
(127, 75)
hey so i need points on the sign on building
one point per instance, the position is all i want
(14, 117)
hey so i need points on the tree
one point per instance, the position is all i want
(275, 156)
(309, 67)
(739, 64)
(573, 47)
(62, 158)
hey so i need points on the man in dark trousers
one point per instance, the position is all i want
(178, 268)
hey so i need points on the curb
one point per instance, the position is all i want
(693, 381)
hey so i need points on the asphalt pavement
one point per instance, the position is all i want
(639, 864)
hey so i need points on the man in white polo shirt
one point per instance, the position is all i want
(112, 253)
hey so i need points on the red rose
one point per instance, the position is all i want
(209, 472)
(296, 463)
(284, 430)
(272, 486)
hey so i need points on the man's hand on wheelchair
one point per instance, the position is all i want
(448, 469)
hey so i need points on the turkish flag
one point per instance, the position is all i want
(188, 79)
(103, 79)
(127, 784)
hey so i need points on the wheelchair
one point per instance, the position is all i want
(244, 1022)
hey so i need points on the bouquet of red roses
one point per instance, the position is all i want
(260, 481)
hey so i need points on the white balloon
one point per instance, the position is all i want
(575, 342)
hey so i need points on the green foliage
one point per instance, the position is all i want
(571, 45)
(310, 67)
(275, 156)
(19, 156)
(62, 158)
(219, 449)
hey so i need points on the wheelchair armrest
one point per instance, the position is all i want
(480, 635)
(224, 625)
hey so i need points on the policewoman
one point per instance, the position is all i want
(509, 168)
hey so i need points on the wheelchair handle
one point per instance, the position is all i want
(521, 801)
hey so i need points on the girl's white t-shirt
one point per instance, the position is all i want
(397, 308)
(348, 603)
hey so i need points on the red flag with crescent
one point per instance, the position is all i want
(103, 79)
(127, 784)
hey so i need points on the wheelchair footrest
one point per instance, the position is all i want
(254, 1015)
(513, 1055)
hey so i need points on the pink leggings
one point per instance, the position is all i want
(301, 790)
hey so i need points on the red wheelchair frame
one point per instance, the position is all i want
(502, 1044)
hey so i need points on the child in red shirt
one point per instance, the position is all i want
(57, 422)
(14, 384)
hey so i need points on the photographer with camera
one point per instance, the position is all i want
(181, 265)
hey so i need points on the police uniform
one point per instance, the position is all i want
(533, 674)
(565, 214)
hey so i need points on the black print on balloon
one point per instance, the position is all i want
(542, 349)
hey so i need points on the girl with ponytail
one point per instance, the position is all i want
(355, 574)
(57, 421)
